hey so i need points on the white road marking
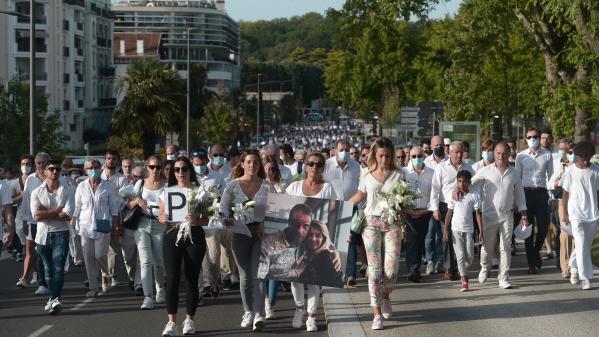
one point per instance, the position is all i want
(40, 331)
(82, 304)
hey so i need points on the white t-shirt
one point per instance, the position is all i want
(372, 188)
(293, 168)
(152, 198)
(582, 186)
(327, 191)
(462, 220)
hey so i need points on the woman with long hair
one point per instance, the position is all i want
(149, 233)
(313, 186)
(29, 262)
(319, 257)
(382, 176)
(248, 183)
(190, 251)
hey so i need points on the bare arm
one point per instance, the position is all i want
(447, 222)
(479, 220)
(565, 199)
(357, 198)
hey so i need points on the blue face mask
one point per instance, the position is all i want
(94, 174)
(201, 169)
(418, 162)
(487, 155)
(218, 161)
(343, 156)
(571, 158)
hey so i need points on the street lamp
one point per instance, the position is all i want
(258, 113)
(32, 85)
(189, 30)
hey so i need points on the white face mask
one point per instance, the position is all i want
(25, 169)
(533, 143)
(170, 157)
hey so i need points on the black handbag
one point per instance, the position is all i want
(131, 216)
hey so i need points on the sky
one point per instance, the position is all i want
(252, 10)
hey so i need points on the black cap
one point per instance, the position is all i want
(200, 153)
(234, 152)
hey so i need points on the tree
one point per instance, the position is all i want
(219, 123)
(152, 102)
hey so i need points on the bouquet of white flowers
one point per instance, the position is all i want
(244, 212)
(205, 203)
(400, 198)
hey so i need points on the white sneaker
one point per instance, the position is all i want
(377, 322)
(170, 330)
(505, 285)
(586, 284)
(160, 296)
(48, 305)
(22, 283)
(34, 279)
(482, 276)
(259, 322)
(270, 313)
(298, 318)
(41, 290)
(311, 324)
(246, 319)
(430, 268)
(147, 304)
(386, 309)
(113, 283)
(56, 306)
(574, 276)
(188, 327)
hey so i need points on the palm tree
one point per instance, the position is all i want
(152, 104)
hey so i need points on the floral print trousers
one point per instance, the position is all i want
(377, 234)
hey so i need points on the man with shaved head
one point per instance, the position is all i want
(438, 156)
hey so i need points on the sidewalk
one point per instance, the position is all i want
(538, 305)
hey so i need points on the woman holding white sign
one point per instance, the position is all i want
(315, 187)
(183, 242)
(382, 176)
(148, 236)
(244, 201)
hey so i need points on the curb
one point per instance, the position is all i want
(340, 313)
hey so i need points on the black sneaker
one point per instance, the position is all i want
(414, 277)
(139, 291)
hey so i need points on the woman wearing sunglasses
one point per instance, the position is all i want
(315, 187)
(248, 183)
(190, 252)
(148, 236)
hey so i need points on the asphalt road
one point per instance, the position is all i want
(117, 314)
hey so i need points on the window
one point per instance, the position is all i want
(140, 47)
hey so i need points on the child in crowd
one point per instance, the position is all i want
(459, 216)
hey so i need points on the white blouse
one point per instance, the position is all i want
(297, 189)
(89, 206)
(372, 188)
(152, 198)
(234, 195)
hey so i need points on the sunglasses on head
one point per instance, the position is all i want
(315, 163)
(154, 167)
(414, 156)
(183, 169)
(532, 137)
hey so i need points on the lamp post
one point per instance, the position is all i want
(32, 85)
(258, 113)
(188, 94)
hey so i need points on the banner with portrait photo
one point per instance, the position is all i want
(306, 240)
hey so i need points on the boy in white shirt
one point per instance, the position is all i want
(459, 216)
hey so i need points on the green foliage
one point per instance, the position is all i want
(219, 122)
(14, 119)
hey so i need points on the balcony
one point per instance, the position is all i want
(79, 77)
(80, 51)
(65, 24)
(106, 71)
(80, 3)
(66, 105)
(80, 26)
(107, 102)
(23, 46)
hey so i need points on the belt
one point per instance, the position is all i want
(536, 189)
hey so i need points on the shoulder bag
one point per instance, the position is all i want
(131, 216)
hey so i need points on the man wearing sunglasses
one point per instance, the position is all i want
(217, 161)
(52, 205)
(210, 278)
(535, 167)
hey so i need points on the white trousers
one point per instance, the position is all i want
(95, 255)
(75, 248)
(463, 246)
(584, 234)
(297, 289)
(504, 231)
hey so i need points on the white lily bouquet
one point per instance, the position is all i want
(205, 203)
(400, 198)
(244, 212)
(127, 194)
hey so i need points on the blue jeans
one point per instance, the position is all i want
(272, 287)
(416, 232)
(54, 254)
(41, 275)
(433, 242)
(355, 241)
(538, 212)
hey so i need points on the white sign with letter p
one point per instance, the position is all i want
(176, 205)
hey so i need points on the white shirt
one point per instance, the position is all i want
(118, 180)
(212, 179)
(286, 176)
(64, 196)
(535, 171)
(582, 184)
(233, 194)
(152, 198)
(444, 181)
(462, 220)
(478, 165)
(89, 206)
(420, 182)
(327, 191)
(293, 168)
(32, 182)
(432, 163)
(5, 194)
(224, 171)
(373, 188)
(344, 180)
(499, 192)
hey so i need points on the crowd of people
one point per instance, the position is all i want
(58, 215)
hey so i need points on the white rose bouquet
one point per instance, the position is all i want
(205, 203)
(399, 199)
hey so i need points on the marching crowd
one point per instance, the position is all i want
(59, 215)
